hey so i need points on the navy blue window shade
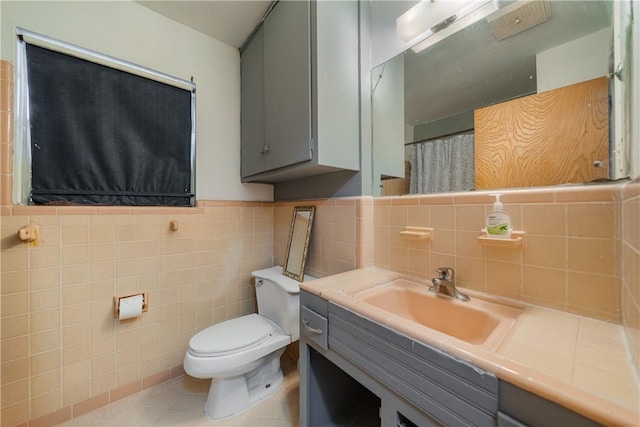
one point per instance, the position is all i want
(101, 136)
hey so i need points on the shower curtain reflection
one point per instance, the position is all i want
(442, 164)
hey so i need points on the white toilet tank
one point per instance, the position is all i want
(279, 299)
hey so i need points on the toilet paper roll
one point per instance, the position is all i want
(131, 307)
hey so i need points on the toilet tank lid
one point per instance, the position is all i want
(275, 275)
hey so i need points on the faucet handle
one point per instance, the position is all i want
(446, 273)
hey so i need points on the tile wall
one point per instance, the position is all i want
(62, 347)
(63, 352)
(339, 241)
(582, 251)
(571, 258)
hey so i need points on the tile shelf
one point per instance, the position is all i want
(517, 240)
(417, 233)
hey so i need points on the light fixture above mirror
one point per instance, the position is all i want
(430, 21)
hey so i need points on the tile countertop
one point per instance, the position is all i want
(578, 362)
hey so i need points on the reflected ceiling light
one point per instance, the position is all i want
(430, 21)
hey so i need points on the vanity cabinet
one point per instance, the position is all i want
(300, 92)
(371, 375)
(356, 372)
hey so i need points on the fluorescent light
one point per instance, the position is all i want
(430, 21)
(424, 15)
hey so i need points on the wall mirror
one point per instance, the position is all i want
(298, 245)
(425, 103)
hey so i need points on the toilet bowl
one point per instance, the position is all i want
(242, 355)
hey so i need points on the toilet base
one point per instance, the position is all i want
(231, 395)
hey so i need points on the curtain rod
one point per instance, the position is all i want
(433, 138)
(39, 40)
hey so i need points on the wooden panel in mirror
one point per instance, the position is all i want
(556, 137)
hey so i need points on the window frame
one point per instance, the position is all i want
(22, 138)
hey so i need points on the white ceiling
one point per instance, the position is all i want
(230, 21)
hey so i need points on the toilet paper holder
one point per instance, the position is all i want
(116, 302)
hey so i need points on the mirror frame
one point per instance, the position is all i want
(297, 229)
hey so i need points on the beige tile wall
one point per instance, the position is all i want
(332, 247)
(570, 262)
(60, 342)
(631, 268)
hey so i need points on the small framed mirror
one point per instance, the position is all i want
(296, 256)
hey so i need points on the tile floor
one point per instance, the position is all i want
(181, 403)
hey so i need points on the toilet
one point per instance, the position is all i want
(242, 355)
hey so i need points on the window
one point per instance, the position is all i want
(100, 131)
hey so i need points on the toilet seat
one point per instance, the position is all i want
(231, 336)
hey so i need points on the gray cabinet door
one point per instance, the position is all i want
(287, 79)
(252, 101)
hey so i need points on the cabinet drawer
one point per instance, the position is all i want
(314, 303)
(314, 327)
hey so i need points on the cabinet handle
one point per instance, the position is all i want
(265, 149)
(311, 329)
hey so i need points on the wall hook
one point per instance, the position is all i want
(28, 233)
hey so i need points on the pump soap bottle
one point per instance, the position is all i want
(498, 224)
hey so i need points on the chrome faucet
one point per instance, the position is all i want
(445, 284)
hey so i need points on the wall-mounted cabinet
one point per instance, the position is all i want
(300, 92)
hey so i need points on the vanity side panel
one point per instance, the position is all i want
(505, 420)
(533, 410)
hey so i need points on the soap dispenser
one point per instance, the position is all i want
(498, 224)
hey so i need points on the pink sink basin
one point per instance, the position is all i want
(477, 322)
